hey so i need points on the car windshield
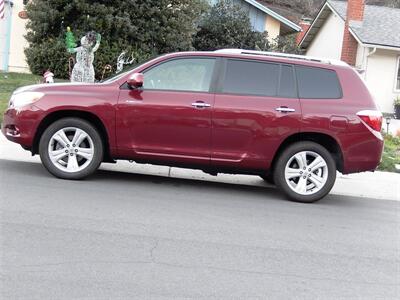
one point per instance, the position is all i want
(115, 77)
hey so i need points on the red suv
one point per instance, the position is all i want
(293, 120)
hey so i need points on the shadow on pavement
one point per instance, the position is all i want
(25, 170)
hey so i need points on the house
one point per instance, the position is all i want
(366, 37)
(264, 19)
(12, 41)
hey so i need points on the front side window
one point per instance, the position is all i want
(251, 78)
(318, 83)
(398, 75)
(186, 74)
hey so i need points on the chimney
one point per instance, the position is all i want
(355, 13)
(305, 23)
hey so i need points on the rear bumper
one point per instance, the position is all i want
(19, 126)
(363, 155)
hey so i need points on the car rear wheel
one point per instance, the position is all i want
(71, 148)
(305, 172)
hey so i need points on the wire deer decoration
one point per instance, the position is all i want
(121, 61)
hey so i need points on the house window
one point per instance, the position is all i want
(398, 75)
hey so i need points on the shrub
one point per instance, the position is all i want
(227, 25)
(143, 27)
(391, 153)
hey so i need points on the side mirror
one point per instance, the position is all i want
(136, 80)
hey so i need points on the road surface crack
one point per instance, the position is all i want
(152, 259)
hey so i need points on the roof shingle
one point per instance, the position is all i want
(380, 26)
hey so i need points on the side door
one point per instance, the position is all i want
(170, 117)
(256, 107)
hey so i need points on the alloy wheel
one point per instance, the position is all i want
(306, 172)
(71, 149)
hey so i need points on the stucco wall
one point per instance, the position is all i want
(273, 27)
(3, 34)
(362, 53)
(328, 42)
(380, 76)
(2, 42)
(16, 60)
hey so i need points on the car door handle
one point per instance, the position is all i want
(200, 104)
(285, 109)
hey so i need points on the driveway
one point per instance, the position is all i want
(135, 234)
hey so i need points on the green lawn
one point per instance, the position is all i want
(9, 82)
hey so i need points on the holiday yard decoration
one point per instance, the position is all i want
(83, 70)
(48, 77)
(70, 39)
(106, 69)
(121, 61)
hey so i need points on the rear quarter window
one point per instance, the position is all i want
(318, 83)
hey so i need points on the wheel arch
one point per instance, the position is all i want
(325, 140)
(85, 115)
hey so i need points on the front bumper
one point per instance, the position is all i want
(20, 125)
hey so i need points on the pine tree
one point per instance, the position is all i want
(145, 28)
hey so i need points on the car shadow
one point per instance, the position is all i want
(179, 182)
(125, 179)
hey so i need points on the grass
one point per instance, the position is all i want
(11, 81)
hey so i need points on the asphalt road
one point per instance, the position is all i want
(132, 236)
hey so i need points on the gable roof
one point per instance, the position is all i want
(380, 26)
(288, 26)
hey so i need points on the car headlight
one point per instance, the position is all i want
(24, 98)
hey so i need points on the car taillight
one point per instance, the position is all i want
(372, 118)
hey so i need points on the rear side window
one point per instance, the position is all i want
(251, 78)
(318, 83)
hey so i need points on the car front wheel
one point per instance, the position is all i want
(71, 148)
(305, 172)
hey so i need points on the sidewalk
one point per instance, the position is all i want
(379, 185)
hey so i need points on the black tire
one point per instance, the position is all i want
(80, 124)
(287, 154)
(269, 178)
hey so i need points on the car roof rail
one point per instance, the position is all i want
(283, 55)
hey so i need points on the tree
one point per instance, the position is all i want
(286, 44)
(226, 25)
(145, 28)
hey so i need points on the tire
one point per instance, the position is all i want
(303, 185)
(268, 178)
(66, 160)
